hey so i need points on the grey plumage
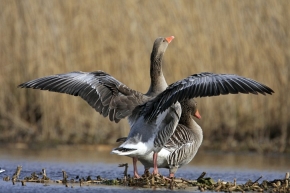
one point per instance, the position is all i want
(203, 85)
(182, 145)
(100, 90)
(153, 116)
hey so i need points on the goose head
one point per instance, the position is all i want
(159, 47)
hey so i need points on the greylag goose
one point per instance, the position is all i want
(111, 98)
(183, 144)
(157, 120)
(103, 92)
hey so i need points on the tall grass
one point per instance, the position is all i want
(249, 38)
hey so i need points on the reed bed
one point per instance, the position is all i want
(249, 38)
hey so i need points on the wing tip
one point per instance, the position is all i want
(22, 85)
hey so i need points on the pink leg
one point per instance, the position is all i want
(135, 167)
(171, 175)
(172, 171)
(155, 169)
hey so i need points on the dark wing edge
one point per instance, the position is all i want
(203, 85)
(104, 93)
(121, 139)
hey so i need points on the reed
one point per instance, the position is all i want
(249, 38)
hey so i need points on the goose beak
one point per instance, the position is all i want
(169, 39)
(197, 115)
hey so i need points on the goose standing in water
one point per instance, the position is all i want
(157, 119)
(154, 116)
(103, 92)
(183, 144)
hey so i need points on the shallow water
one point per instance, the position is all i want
(90, 162)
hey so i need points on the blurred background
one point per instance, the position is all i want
(248, 38)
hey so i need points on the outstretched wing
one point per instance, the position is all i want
(203, 85)
(104, 93)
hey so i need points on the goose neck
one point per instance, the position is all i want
(158, 82)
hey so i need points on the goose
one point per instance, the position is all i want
(153, 116)
(108, 96)
(157, 119)
(183, 144)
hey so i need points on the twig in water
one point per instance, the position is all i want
(201, 175)
(17, 173)
(258, 179)
(64, 176)
(43, 172)
(44, 177)
(287, 175)
(126, 168)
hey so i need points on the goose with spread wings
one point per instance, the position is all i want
(103, 92)
(107, 95)
(157, 119)
(153, 116)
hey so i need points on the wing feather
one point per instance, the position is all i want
(104, 93)
(203, 85)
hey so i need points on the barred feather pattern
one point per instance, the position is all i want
(184, 144)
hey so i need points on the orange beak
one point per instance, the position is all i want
(197, 115)
(169, 39)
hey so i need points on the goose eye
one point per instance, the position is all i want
(164, 40)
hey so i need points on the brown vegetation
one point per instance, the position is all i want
(156, 182)
(249, 38)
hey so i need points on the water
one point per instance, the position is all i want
(82, 163)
